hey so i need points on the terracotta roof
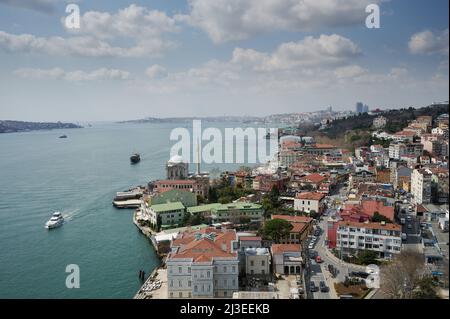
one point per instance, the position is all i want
(314, 178)
(311, 196)
(370, 225)
(293, 219)
(250, 238)
(204, 249)
(283, 248)
(324, 146)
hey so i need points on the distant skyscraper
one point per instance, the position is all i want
(366, 108)
(359, 107)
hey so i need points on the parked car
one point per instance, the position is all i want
(409, 226)
(311, 246)
(408, 218)
(312, 287)
(319, 259)
(313, 254)
(323, 287)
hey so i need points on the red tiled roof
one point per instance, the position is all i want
(283, 248)
(204, 249)
(324, 146)
(314, 178)
(311, 196)
(250, 238)
(370, 225)
(293, 219)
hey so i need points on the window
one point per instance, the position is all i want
(225, 293)
(252, 263)
(171, 295)
(180, 283)
(195, 288)
(180, 294)
(234, 268)
(179, 270)
(234, 282)
(171, 283)
(189, 269)
(189, 283)
(263, 272)
(225, 282)
(224, 268)
(263, 263)
(208, 274)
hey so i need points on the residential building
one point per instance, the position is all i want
(257, 262)
(379, 122)
(421, 186)
(166, 215)
(302, 227)
(353, 237)
(309, 201)
(287, 259)
(203, 264)
(232, 212)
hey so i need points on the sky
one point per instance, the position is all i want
(174, 58)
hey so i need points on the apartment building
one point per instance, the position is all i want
(385, 239)
(421, 180)
(203, 264)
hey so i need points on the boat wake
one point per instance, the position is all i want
(71, 215)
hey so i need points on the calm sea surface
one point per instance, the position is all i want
(40, 174)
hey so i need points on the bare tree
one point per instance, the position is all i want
(401, 278)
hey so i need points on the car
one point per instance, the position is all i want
(408, 218)
(409, 226)
(313, 254)
(323, 287)
(319, 259)
(312, 286)
(311, 246)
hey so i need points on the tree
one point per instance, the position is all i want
(276, 229)
(212, 195)
(403, 278)
(378, 218)
(367, 257)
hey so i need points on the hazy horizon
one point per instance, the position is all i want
(137, 59)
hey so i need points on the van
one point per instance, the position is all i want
(312, 287)
(404, 236)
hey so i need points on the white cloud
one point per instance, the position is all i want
(324, 50)
(156, 72)
(142, 27)
(349, 71)
(72, 76)
(228, 20)
(79, 46)
(428, 42)
(134, 22)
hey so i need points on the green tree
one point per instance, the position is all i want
(378, 218)
(212, 195)
(276, 229)
(367, 257)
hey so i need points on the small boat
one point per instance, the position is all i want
(57, 220)
(135, 158)
(63, 136)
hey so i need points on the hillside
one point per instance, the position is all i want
(396, 120)
(19, 126)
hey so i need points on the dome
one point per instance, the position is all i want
(176, 159)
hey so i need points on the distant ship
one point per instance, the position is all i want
(63, 136)
(135, 158)
(57, 220)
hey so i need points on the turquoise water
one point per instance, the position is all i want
(78, 176)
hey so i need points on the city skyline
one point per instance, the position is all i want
(137, 59)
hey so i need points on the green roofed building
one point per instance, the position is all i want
(188, 199)
(229, 212)
(169, 214)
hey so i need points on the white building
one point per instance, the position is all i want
(257, 261)
(166, 214)
(287, 259)
(421, 186)
(382, 238)
(379, 122)
(203, 264)
(310, 201)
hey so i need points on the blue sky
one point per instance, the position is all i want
(132, 59)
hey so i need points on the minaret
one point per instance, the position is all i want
(198, 157)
